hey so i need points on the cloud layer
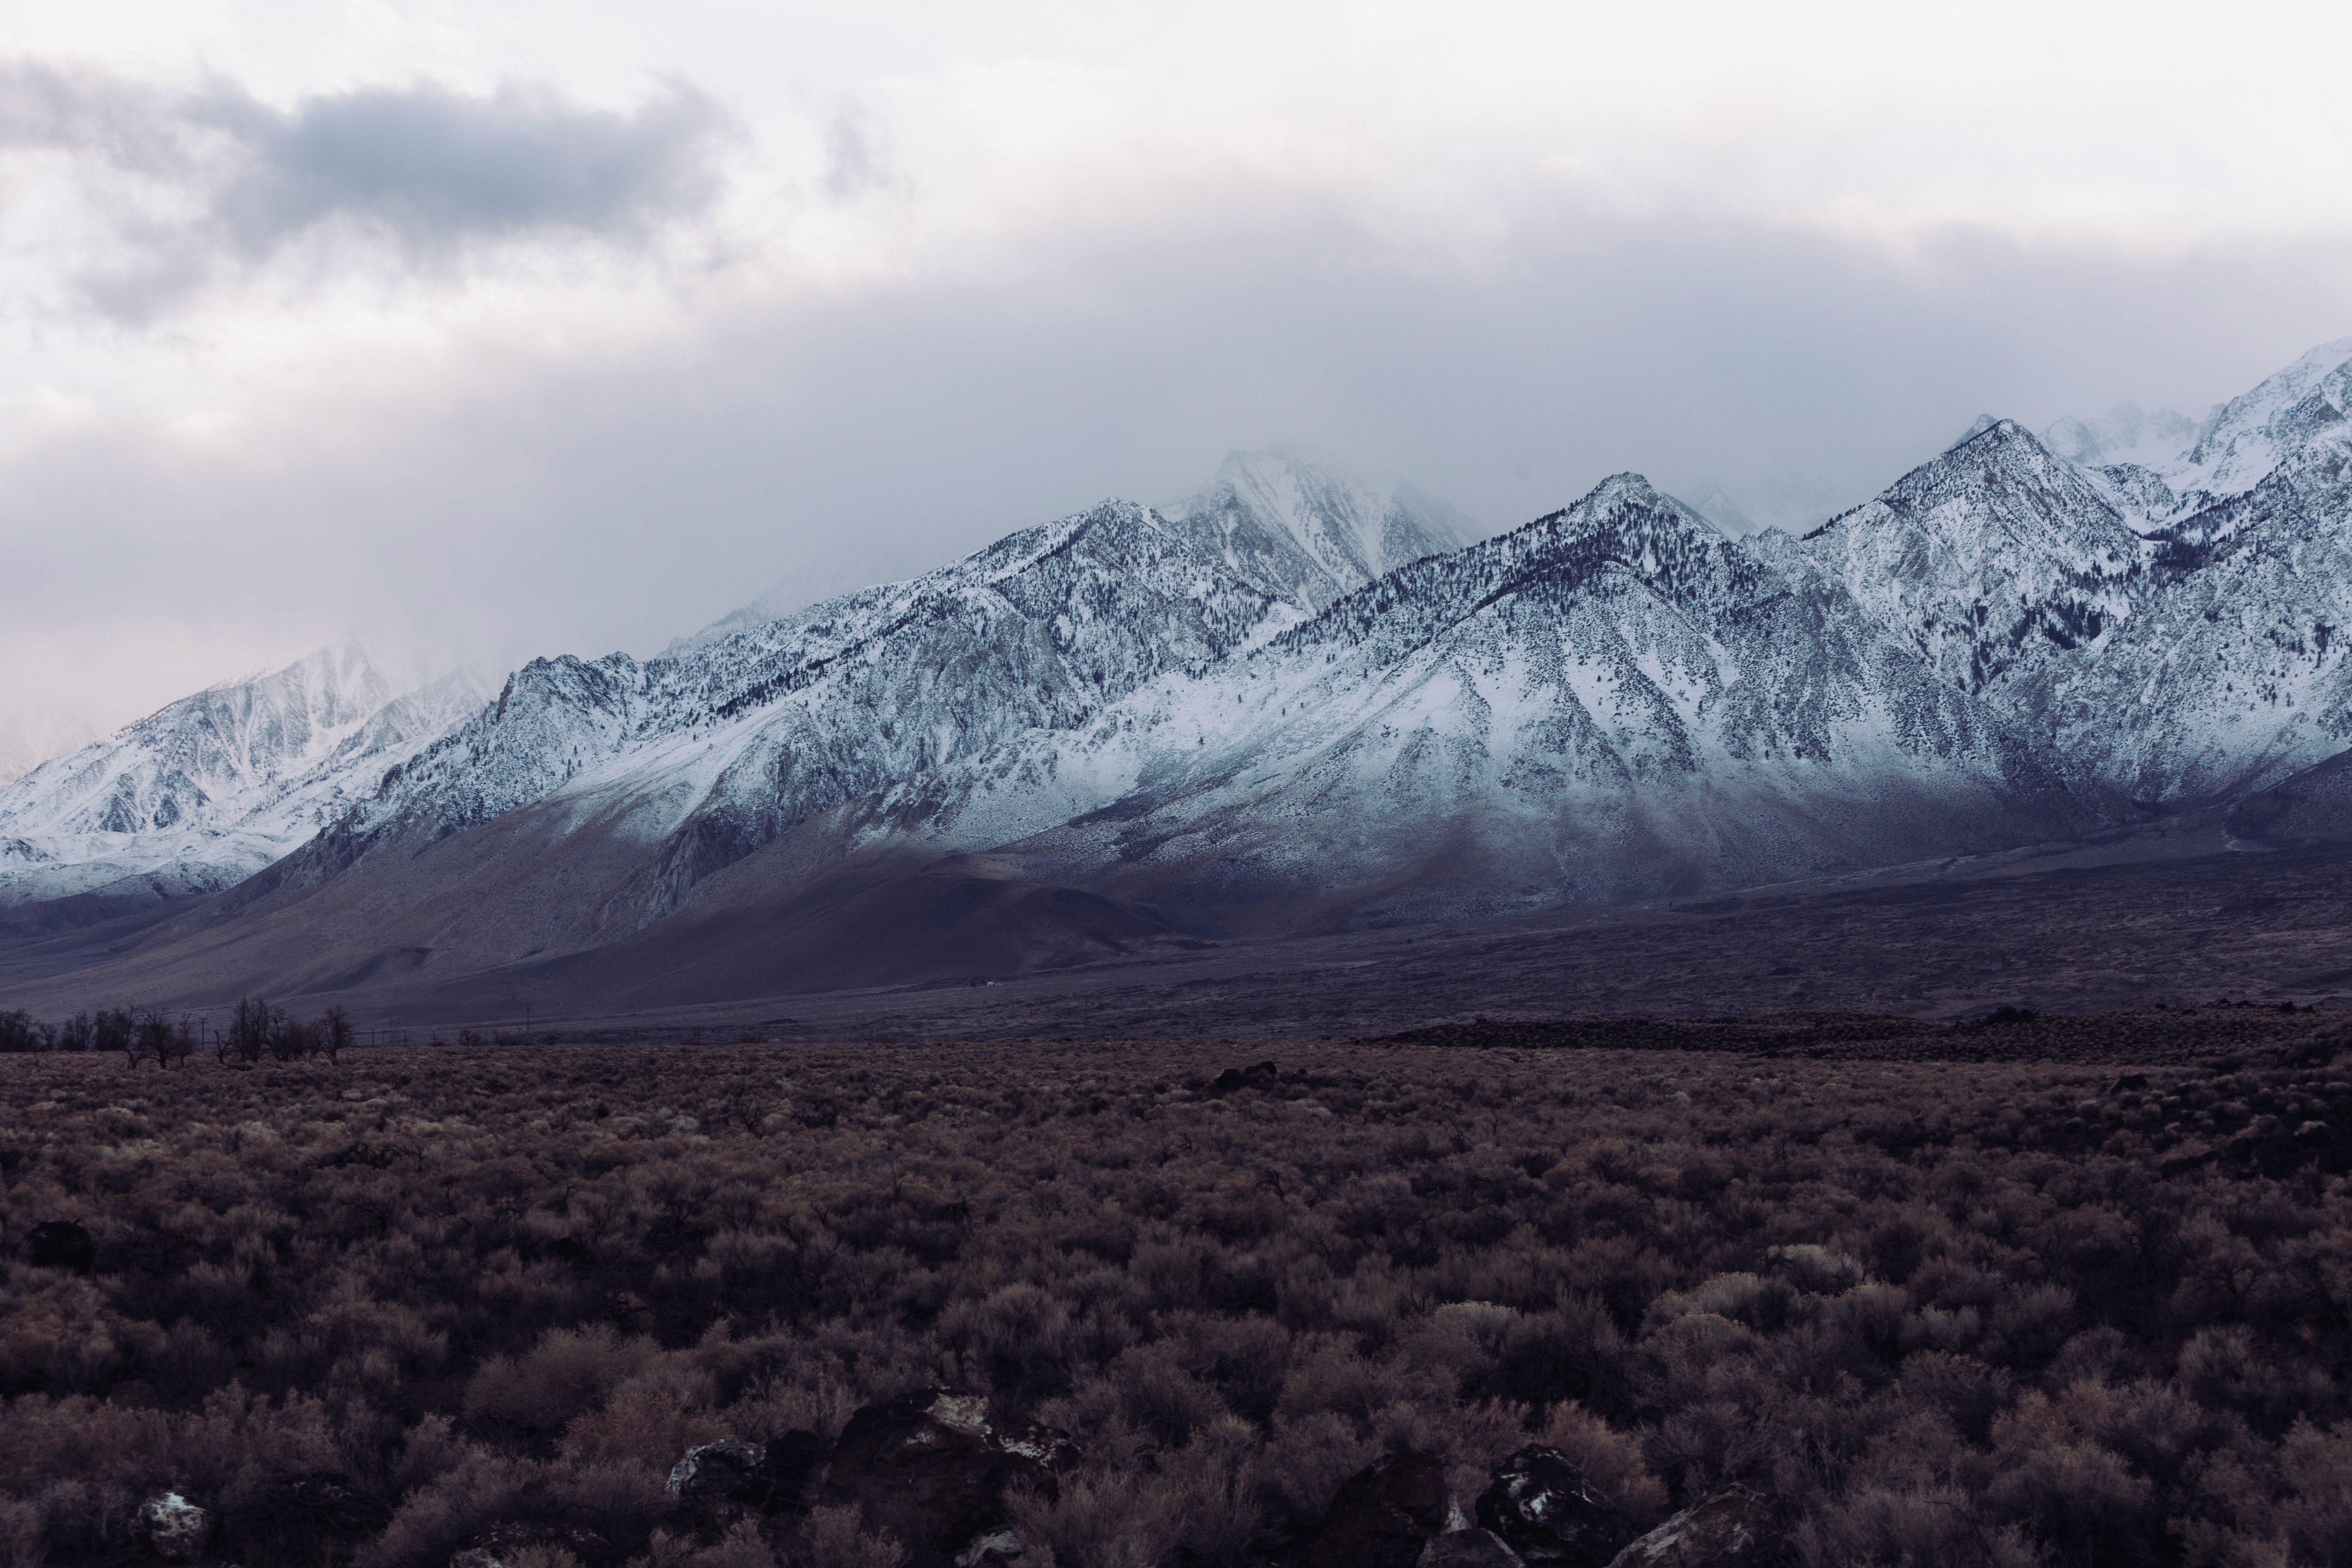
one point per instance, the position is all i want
(559, 330)
(176, 186)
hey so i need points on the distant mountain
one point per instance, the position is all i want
(1297, 700)
(203, 794)
(2125, 433)
(2160, 470)
(31, 736)
(1756, 502)
(1614, 701)
(1990, 558)
(1305, 532)
(2233, 670)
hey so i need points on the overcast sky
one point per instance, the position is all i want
(482, 330)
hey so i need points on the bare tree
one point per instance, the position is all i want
(334, 1032)
(20, 1032)
(289, 1037)
(115, 1029)
(250, 1027)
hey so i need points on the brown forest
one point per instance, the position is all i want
(425, 1306)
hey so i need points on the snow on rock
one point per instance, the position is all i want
(715, 752)
(1992, 559)
(1303, 530)
(32, 735)
(2233, 673)
(2126, 434)
(1300, 689)
(1613, 701)
(205, 791)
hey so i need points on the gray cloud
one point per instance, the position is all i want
(856, 156)
(585, 500)
(433, 172)
(434, 167)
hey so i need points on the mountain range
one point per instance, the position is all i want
(1297, 699)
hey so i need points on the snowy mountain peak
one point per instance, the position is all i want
(2247, 436)
(2125, 433)
(2159, 467)
(188, 763)
(1307, 531)
(1626, 524)
(1988, 558)
(31, 736)
(209, 789)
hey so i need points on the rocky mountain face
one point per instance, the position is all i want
(710, 754)
(1992, 559)
(1304, 532)
(1613, 701)
(2170, 656)
(204, 793)
(1300, 699)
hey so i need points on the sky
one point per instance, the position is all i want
(478, 332)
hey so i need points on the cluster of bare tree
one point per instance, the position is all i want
(254, 1031)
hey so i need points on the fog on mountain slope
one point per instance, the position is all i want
(1294, 523)
(32, 736)
(2159, 471)
(1280, 706)
(1755, 503)
(212, 788)
(1303, 532)
(1611, 702)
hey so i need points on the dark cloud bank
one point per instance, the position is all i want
(431, 170)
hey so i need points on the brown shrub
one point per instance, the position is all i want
(1952, 1313)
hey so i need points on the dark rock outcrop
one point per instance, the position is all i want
(174, 1527)
(1549, 1512)
(504, 1542)
(737, 1473)
(1468, 1549)
(302, 1518)
(1385, 1516)
(933, 1469)
(1736, 1527)
(61, 1244)
(1264, 1075)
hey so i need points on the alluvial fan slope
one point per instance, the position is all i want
(1300, 700)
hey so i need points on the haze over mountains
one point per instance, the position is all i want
(1297, 700)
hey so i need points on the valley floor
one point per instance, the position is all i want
(2072, 930)
(432, 1306)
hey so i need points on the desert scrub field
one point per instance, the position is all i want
(432, 1304)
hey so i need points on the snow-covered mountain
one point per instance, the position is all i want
(204, 793)
(1305, 532)
(1300, 698)
(2125, 433)
(2232, 672)
(2170, 627)
(1615, 700)
(1756, 502)
(1990, 559)
(2159, 470)
(720, 747)
(31, 736)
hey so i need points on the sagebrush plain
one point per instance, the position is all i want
(2002, 1312)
